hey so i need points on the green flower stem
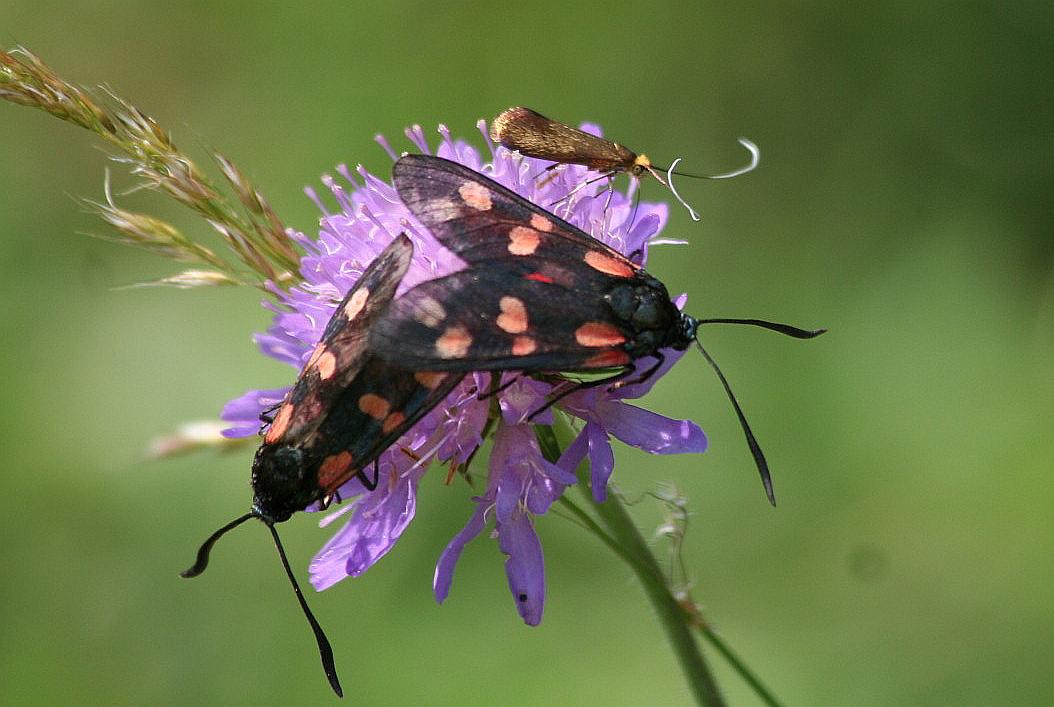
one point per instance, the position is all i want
(674, 619)
(679, 616)
(738, 665)
(622, 536)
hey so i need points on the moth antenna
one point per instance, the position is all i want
(673, 190)
(755, 158)
(325, 651)
(202, 560)
(752, 442)
(786, 329)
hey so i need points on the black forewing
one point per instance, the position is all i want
(365, 418)
(449, 199)
(553, 308)
(345, 339)
(348, 428)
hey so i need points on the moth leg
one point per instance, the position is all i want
(499, 388)
(267, 415)
(608, 175)
(627, 370)
(644, 376)
(370, 485)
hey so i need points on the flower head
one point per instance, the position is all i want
(521, 483)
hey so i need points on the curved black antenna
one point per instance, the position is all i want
(325, 650)
(752, 442)
(773, 326)
(202, 560)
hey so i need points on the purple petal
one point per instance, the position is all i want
(376, 523)
(444, 572)
(245, 411)
(525, 567)
(523, 398)
(639, 390)
(650, 431)
(601, 460)
(574, 454)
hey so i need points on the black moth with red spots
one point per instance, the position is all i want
(346, 407)
(538, 294)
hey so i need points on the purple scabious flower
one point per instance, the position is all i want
(521, 483)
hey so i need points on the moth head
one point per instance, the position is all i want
(278, 482)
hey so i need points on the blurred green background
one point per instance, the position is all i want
(903, 201)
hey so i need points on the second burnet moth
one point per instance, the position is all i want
(532, 134)
(538, 294)
(346, 407)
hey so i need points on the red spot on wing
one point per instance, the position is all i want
(327, 365)
(374, 405)
(513, 317)
(523, 346)
(320, 348)
(430, 379)
(280, 424)
(454, 342)
(393, 421)
(356, 303)
(475, 195)
(539, 277)
(429, 311)
(607, 359)
(523, 240)
(541, 223)
(608, 264)
(333, 469)
(596, 334)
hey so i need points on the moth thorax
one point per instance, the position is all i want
(643, 302)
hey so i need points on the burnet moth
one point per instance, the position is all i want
(534, 135)
(538, 294)
(346, 407)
